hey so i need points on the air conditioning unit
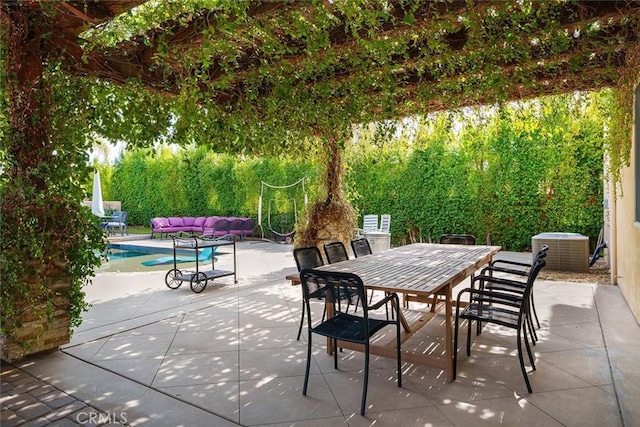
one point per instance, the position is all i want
(567, 251)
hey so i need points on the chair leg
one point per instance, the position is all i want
(335, 353)
(532, 330)
(365, 381)
(301, 321)
(399, 352)
(455, 345)
(533, 307)
(469, 337)
(522, 367)
(529, 352)
(306, 372)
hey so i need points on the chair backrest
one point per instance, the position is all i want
(307, 257)
(385, 223)
(498, 296)
(457, 239)
(542, 253)
(361, 247)
(119, 217)
(370, 223)
(236, 224)
(533, 273)
(335, 252)
(221, 227)
(320, 284)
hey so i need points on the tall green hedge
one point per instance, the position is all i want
(503, 174)
(198, 182)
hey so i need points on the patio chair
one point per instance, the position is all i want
(335, 252)
(361, 247)
(385, 223)
(221, 227)
(491, 305)
(118, 220)
(457, 239)
(343, 326)
(306, 257)
(369, 224)
(513, 285)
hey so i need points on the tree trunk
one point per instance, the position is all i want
(331, 219)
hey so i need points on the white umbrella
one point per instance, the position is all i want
(96, 199)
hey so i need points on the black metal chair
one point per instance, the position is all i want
(457, 239)
(335, 252)
(306, 257)
(344, 326)
(521, 269)
(361, 247)
(491, 305)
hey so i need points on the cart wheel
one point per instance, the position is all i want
(198, 282)
(171, 279)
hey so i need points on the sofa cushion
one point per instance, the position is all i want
(199, 222)
(188, 221)
(159, 222)
(210, 220)
(176, 221)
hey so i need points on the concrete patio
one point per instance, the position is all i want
(229, 356)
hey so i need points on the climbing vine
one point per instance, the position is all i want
(276, 78)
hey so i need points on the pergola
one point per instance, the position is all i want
(533, 47)
(255, 62)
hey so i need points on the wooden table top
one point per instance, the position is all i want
(420, 268)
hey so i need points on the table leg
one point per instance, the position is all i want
(330, 313)
(448, 332)
(403, 320)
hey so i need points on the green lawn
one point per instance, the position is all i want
(139, 229)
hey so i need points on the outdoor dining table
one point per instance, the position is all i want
(420, 271)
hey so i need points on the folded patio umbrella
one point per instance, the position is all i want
(96, 200)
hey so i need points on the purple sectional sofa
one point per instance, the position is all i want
(212, 226)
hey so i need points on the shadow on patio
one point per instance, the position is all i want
(229, 355)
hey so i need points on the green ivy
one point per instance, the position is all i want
(503, 175)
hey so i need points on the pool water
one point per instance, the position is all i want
(121, 261)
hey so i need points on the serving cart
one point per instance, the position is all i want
(199, 278)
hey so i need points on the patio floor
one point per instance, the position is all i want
(229, 356)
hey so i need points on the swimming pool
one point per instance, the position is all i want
(124, 260)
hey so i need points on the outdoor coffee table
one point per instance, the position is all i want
(422, 271)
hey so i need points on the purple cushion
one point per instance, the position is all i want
(160, 222)
(188, 221)
(199, 222)
(176, 221)
(209, 222)
(170, 229)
